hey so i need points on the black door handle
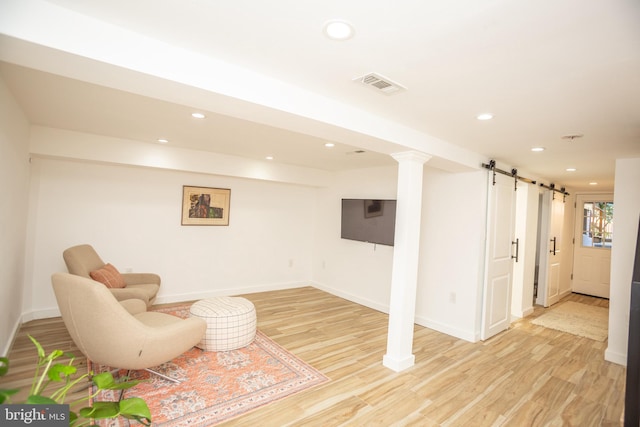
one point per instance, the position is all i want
(517, 243)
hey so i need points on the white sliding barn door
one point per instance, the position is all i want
(496, 300)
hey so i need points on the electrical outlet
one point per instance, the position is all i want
(452, 297)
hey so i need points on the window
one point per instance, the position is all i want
(597, 225)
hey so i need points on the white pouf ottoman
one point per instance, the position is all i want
(231, 322)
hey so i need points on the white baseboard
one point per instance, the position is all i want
(398, 364)
(12, 338)
(446, 329)
(193, 296)
(521, 314)
(351, 297)
(45, 313)
(422, 321)
(615, 357)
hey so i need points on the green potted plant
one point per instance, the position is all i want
(49, 372)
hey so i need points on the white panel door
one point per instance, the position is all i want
(552, 217)
(496, 308)
(592, 250)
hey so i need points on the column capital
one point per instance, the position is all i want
(416, 156)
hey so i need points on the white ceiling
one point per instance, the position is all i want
(544, 69)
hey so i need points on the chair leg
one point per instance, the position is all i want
(152, 372)
(122, 391)
(162, 376)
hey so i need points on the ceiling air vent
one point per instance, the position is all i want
(380, 83)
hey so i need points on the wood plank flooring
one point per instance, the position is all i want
(526, 376)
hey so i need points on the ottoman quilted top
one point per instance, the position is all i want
(222, 306)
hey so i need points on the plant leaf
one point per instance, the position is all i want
(5, 394)
(4, 366)
(124, 385)
(41, 353)
(40, 400)
(105, 381)
(135, 408)
(73, 417)
(56, 371)
(101, 410)
(54, 355)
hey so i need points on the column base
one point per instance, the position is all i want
(398, 364)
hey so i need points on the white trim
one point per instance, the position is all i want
(396, 364)
(615, 357)
(230, 291)
(55, 312)
(449, 330)
(12, 338)
(45, 313)
(353, 298)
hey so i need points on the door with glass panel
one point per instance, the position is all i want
(593, 242)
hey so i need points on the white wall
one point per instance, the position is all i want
(358, 271)
(626, 205)
(131, 215)
(452, 246)
(451, 254)
(14, 209)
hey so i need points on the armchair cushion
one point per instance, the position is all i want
(109, 276)
(81, 260)
(145, 292)
(134, 305)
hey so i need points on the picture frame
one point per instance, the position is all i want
(205, 205)
(373, 208)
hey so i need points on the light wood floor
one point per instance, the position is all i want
(526, 376)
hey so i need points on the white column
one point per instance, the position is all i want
(404, 277)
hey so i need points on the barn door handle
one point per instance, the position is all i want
(517, 243)
(554, 246)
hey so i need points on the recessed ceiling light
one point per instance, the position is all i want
(197, 115)
(593, 183)
(571, 169)
(537, 149)
(329, 144)
(337, 29)
(484, 116)
(269, 157)
(163, 140)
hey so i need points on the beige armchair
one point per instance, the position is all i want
(81, 260)
(109, 334)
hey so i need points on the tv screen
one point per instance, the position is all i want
(369, 220)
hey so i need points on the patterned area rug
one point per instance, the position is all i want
(218, 386)
(577, 319)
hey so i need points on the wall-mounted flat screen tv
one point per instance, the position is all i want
(369, 220)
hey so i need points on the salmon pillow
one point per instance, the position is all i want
(109, 276)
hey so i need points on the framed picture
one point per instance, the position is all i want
(373, 208)
(205, 206)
